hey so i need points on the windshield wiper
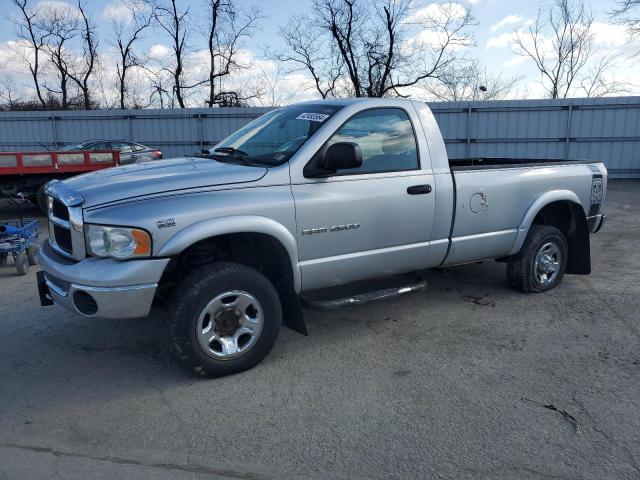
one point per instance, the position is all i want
(231, 150)
(237, 159)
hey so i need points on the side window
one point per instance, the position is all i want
(137, 147)
(97, 146)
(124, 147)
(386, 138)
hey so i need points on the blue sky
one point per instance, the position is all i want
(496, 22)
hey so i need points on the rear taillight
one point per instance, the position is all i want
(157, 154)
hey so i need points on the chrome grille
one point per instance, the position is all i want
(66, 234)
(63, 238)
(59, 210)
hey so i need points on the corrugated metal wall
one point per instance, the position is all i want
(604, 128)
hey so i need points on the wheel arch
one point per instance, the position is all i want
(561, 209)
(238, 225)
(255, 241)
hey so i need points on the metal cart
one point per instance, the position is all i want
(19, 238)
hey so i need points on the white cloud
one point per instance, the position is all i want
(438, 12)
(504, 40)
(122, 11)
(516, 61)
(436, 39)
(11, 64)
(508, 20)
(118, 12)
(158, 51)
(609, 35)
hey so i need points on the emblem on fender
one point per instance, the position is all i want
(166, 222)
(596, 190)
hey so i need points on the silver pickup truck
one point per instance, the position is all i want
(233, 242)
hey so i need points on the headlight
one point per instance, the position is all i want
(120, 243)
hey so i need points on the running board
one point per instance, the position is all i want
(362, 298)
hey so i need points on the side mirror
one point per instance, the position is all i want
(342, 155)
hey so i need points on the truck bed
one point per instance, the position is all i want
(493, 195)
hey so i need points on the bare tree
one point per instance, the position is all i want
(161, 94)
(89, 55)
(469, 81)
(28, 32)
(227, 26)
(628, 13)
(381, 47)
(271, 90)
(306, 50)
(59, 26)
(8, 94)
(174, 22)
(125, 35)
(597, 83)
(561, 55)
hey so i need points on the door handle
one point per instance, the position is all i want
(419, 189)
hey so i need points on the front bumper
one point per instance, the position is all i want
(102, 288)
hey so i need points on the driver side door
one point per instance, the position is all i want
(370, 221)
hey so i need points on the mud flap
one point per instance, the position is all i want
(43, 290)
(579, 244)
(293, 316)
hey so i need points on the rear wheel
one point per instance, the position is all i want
(542, 261)
(32, 255)
(223, 319)
(22, 263)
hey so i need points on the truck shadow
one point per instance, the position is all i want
(121, 358)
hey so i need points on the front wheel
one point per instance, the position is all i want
(223, 319)
(542, 261)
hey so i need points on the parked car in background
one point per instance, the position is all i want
(130, 152)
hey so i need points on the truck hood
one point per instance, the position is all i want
(136, 180)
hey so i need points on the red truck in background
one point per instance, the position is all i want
(28, 172)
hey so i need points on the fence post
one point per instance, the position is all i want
(130, 126)
(468, 146)
(200, 130)
(54, 131)
(568, 136)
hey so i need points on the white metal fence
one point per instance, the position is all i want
(607, 129)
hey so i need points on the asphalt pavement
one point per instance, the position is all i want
(468, 379)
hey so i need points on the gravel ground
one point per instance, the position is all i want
(468, 379)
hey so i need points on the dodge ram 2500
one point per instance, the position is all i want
(230, 244)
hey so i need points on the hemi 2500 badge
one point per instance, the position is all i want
(334, 228)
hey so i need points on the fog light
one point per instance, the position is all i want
(85, 303)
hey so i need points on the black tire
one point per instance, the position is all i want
(3, 259)
(41, 199)
(22, 263)
(32, 255)
(521, 272)
(191, 297)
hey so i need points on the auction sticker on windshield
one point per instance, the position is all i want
(313, 117)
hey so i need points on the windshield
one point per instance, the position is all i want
(274, 137)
